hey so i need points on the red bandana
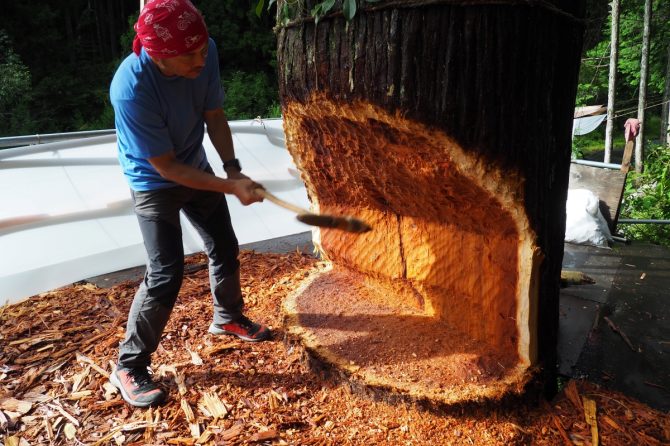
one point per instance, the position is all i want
(168, 28)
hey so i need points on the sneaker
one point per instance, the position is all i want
(243, 328)
(137, 387)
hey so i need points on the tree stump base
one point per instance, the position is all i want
(353, 326)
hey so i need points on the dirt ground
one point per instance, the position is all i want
(58, 349)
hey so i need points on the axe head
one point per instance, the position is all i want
(345, 223)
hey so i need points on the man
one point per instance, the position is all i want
(163, 94)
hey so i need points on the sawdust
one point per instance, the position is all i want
(57, 350)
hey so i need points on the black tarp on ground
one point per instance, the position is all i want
(632, 290)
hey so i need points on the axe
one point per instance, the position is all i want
(343, 222)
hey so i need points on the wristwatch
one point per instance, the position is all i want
(235, 163)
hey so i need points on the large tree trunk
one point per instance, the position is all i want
(447, 126)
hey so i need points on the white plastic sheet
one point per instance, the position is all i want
(66, 214)
(587, 124)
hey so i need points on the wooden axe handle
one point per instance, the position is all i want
(279, 202)
(345, 223)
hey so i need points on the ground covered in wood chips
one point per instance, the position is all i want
(58, 349)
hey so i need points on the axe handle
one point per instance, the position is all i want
(279, 202)
(345, 223)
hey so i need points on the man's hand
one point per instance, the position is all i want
(244, 190)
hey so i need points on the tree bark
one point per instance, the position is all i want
(642, 102)
(611, 85)
(377, 110)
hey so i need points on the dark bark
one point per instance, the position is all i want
(499, 79)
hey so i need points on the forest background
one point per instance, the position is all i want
(58, 58)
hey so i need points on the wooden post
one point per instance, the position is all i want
(611, 85)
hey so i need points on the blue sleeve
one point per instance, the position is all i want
(144, 131)
(215, 93)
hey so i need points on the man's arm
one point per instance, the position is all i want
(172, 169)
(222, 139)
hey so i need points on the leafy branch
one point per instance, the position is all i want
(291, 8)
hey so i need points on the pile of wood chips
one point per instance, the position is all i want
(59, 348)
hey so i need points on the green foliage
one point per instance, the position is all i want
(129, 35)
(349, 9)
(245, 43)
(647, 196)
(322, 9)
(14, 87)
(292, 9)
(594, 71)
(249, 95)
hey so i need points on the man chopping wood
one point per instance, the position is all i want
(163, 94)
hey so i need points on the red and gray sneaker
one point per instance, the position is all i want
(137, 387)
(243, 328)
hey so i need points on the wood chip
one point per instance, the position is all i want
(181, 440)
(232, 433)
(148, 432)
(266, 435)
(4, 422)
(79, 378)
(89, 361)
(611, 422)
(70, 431)
(48, 429)
(561, 430)
(283, 400)
(195, 358)
(212, 405)
(573, 394)
(80, 395)
(14, 405)
(110, 391)
(14, 440)
(205, 437)
(220, 347)
(190, 418)
(58, 407)
(590, 415)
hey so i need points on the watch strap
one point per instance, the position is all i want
(234, 163)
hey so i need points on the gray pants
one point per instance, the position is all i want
(158, 215)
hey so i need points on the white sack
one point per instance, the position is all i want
(584, 223)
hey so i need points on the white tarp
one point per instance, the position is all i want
(66, 214)
(586, 124)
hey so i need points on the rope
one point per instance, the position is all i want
(631, 110)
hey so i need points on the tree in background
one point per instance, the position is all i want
(247, 53)
(70, 48)
(14, 87)
(67, 53)
(594, 69)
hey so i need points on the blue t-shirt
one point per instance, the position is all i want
(155, 114)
